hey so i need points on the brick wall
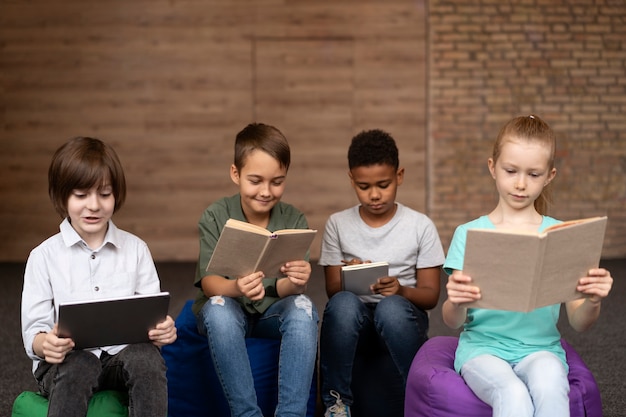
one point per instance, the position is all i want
(563, 60)
(169, 84)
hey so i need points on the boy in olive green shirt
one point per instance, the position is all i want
(229, 309)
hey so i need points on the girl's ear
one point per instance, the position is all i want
(551, 176)
(234, 174)
(492, 167)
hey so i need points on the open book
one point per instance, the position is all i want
(244, 248)
(358, 278)
(521, 271)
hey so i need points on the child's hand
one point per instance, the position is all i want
(54, 347)
(597, 284)
(460, 289)
(386, 286)
(251, 286)
(298, 272)
(354, 261)
(164, 333)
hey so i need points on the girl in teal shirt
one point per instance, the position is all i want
(514, 361)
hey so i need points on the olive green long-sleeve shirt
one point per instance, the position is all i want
(212, 221)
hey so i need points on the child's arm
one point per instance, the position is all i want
(583, 313)
(50, 347)
(164, 333)
(460, 291)
(250, 286)
(425, 295)
(298, 274)
(332, 277)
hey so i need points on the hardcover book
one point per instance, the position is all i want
(244, 248)
(358, 278)
(522, 271)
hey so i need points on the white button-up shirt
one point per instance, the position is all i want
(63, 268)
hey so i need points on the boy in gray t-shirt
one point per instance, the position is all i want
(378, 229)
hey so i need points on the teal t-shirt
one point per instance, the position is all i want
(212, 221)
(508, 335)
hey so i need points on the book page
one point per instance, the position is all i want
(283, 248)
(363, 265)
(571, 223)
(241, 225)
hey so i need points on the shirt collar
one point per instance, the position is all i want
(71, 237)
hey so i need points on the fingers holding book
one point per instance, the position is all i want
(297, 272)
(597, 284)
(251, 286)
(460, 289)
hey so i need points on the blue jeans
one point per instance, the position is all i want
(396, 321)
(293, 320)
(537, 386)
(138, 369)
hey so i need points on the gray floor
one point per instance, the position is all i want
(603, 347)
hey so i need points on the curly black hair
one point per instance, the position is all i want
(373, 147)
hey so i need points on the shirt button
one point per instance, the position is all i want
(96, 288)
(93, 256)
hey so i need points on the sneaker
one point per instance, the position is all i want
(339, 409)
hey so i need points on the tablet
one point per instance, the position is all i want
(112, 321)
(358, 278)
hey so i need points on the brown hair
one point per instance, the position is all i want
(266, 138)
(80, 164)
(533, 129)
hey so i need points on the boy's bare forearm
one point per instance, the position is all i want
(216, 285)
(425, 298)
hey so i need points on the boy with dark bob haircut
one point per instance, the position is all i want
(377, 229)
(229, 309)
(90, 259)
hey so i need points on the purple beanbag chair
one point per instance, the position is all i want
(434, 389)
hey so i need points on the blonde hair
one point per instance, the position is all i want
(531, 129)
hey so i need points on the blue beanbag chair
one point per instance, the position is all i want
(193, 387)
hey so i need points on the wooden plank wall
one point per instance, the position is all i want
(170, 83)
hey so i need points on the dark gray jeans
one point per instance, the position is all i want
(138, 369)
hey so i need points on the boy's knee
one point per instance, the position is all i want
(143, 350)
(80, 370)
(218, 308)
(143, 358)
(82, 362)
(395, 312)
(343, 302)
(392, 306)
(305, 304)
